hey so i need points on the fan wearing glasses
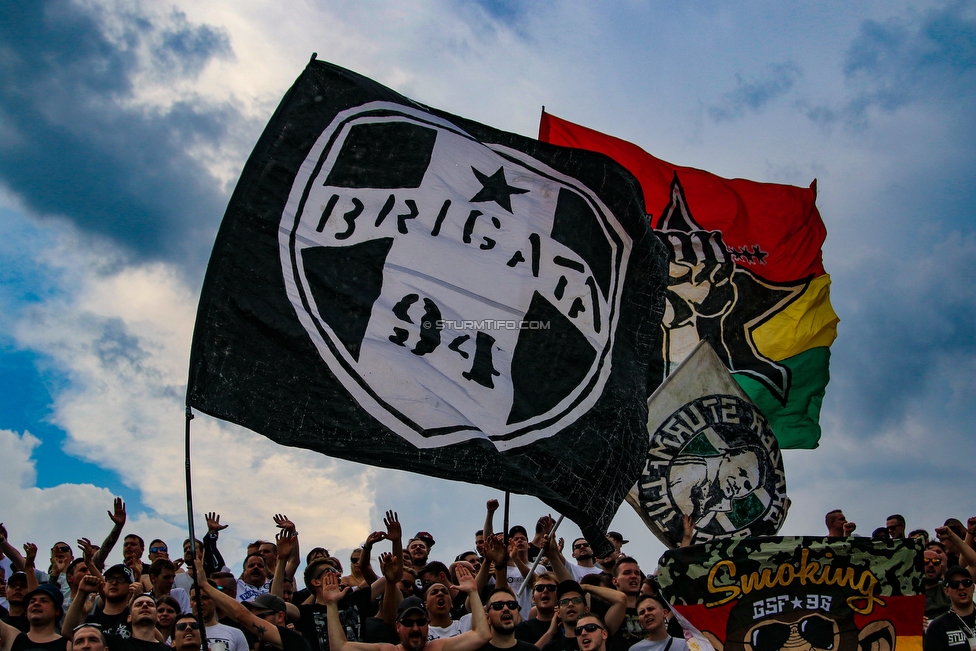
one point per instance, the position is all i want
(503, 617)
(955, 630)
(936, 601)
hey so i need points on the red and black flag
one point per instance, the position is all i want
(401, 287)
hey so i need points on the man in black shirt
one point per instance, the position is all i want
(17, 614)
(954, 631)
(113, 616)
(503, 615)
(265, 619)
(43, 611)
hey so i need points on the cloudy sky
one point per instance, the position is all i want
(124, 126)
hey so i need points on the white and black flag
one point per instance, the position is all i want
(405, 288)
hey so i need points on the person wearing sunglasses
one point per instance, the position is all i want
(653, 613)
(591, 633)
(186, 633)
(503, 617)
(544, 602)
(955, 630)
(933, 569)
(411, 621)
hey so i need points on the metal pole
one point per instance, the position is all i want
(193, 540)
(538, 557)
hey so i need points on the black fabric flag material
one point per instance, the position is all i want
(405, 288)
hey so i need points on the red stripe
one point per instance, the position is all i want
(782, 219)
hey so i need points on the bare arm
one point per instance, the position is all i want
(967, 556)
(88, 552)
(495, 554)
(330, 594)
(557, 560)
(285, 543)
(365, 568)
(16, 560)
(392, 567)
(30, 553)
(618, 605)
(7, 635)
(90, 584)
(237, 611)
(293, 560)
(489, 529)
(118, 521)
(480, 630)
(688, 531)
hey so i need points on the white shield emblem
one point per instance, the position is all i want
(456, 289)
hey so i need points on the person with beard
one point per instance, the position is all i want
(220, 637)
(141, 619)
(503, 617)
(954, 631)
(43, 605)
(16, 607)
(653, 614)
(264, 616)
(113, 616)
(544, 602)
(418, 551)
(584, 565)
(936, 601)
(411, 624)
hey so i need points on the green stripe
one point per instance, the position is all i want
(797, 423)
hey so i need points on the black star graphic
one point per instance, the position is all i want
(496, 188)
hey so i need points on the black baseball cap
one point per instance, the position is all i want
(568, 586)
(408, 604)
(121, 570)
(956, 570)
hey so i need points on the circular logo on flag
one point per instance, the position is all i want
(717, 460)
(456, 289)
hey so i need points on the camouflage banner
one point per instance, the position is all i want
(800, 593)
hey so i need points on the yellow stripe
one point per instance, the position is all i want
(909, 643)
(807, 323)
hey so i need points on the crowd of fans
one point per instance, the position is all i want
(523, 595)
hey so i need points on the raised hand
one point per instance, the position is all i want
(329, 591)
(465, 579)
(90, 584)
(495, 550)
(971, 525)
(392, 522)
(285, 540)
(373, 538)
(849, 528)
(213, 523)
(87, 550)
(391, 566)
(118, 517)
(30, 553)
(135, 565)
(492, 505)
(282, 522)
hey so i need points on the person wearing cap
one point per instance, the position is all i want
(218, 635)
(653, 613)
(418, 551)
(503, 617)
(44, 609)
(956, 630)
(113, 615)
(616, 540)
(16, 606)
(265, 619)
(411, 622)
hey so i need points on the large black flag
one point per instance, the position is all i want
(405, 288)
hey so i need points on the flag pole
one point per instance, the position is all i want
(538, 557)
(193, 538)
(505, 527)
